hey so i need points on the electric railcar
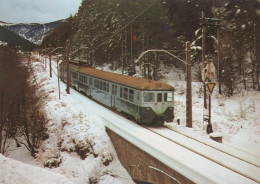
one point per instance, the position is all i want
(147, 101)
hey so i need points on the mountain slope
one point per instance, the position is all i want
(15, 40)
(34, 32)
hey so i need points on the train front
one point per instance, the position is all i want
(157, 107)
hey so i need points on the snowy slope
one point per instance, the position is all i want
(82, 151)
(236, 118)
(14, 172)
(78, 146)
(78, 142)
(34, 32)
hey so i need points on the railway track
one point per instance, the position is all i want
(249, 161)
(238, 165)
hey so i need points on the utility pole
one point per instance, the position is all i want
(203, 56)
(41, 58)
(50, 66)
(58, 73)
(219, 67)
(45, 64)
(203, 37)
(189, 89)
(67, 54)
(132, 57)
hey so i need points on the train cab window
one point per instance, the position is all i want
(168, 97)
(149, 97)
(131, 95)
(159, 97)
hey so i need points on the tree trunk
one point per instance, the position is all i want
(243, 73)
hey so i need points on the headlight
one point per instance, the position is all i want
(148, 108)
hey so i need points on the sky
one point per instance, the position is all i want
(37, 11)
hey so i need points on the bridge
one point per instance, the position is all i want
(151, 158)
(142, 167)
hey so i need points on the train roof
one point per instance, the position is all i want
(134, 82)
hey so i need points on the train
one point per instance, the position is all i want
(148, 102)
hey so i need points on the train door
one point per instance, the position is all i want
(89, 88)
(158, 106)
(113, 96)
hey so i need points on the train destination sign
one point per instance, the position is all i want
(211, 86)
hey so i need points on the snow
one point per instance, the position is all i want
(82, 151)
(209, 152)
(3, 43)
(238, 11)
(13, 172)
(236, 118)
(78, 147)
(5, 24)
(178, 157)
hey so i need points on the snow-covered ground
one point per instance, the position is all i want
(80, 151)
(236, 118)
(3, 43)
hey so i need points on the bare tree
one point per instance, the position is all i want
(21, 114)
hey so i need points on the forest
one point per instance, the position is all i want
(22, 118)
(116, 32)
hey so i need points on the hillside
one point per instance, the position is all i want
(115, 33)
(76, 123)
(14, 40)
(34, 32)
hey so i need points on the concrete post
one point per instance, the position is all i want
(189, 89)
(67, 60)
(50, 66)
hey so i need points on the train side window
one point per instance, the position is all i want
(107, 87)
(159, 97)
(121, 92)
(90, 80)
(96, 83)
(74, 75)
(148, 97)
(125, 93)
(103, 86)
(81, 78)
(168, 97)
(131, 95)
(85, 79)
